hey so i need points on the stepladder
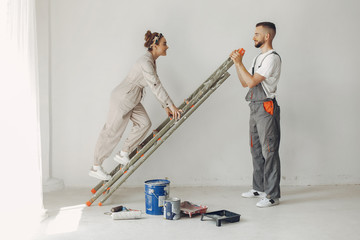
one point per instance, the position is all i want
(155, 139)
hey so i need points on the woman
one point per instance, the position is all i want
(125, 105)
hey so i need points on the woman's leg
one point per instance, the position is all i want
(111, 133)
(141, 125)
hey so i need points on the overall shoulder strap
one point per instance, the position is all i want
(253, 67)
(268, 55)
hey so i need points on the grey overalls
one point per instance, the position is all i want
(264, 140)
(125, 105)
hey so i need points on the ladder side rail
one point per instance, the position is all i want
(195, 95)
(164, 138)
(118, 174)
(218, 73)
(206, 82)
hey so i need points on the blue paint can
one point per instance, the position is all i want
(172, 209)
(156, 191)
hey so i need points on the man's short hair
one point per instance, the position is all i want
(267, 25)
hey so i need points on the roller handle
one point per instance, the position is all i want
(117, 209)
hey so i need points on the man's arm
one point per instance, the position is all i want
(246, 79)
(243, 83)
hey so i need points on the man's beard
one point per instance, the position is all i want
(259, 44)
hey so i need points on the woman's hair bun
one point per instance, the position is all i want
(148, 39)
(148, 35)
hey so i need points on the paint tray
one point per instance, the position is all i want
(190, 208)
(222, 215)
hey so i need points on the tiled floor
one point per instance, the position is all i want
(307, 212)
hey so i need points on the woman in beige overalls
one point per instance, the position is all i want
(125, 105)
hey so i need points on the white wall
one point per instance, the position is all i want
(94, 43)
(43, 19)
(43, 40)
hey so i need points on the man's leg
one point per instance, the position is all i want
(269, 133)
(256, 152)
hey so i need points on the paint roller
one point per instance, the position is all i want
(133, 214)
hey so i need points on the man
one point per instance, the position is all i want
(264, 115)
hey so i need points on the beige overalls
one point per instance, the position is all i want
(125, 105)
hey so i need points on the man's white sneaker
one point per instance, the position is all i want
(253, 194)
(99, 173)
(122, 158)
(266, 202)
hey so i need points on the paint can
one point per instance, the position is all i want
(156, 191)
(172, 209)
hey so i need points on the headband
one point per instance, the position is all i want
(156, 40)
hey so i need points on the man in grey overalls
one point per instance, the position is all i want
(264, 115)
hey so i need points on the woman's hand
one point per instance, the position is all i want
(168, 112)
(173, 111)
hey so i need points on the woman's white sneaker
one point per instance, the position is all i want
(266, 202)
(99, 173)
(253, 194)
(122, 158)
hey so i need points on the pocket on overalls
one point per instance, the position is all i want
(269, 107)
(272, 143)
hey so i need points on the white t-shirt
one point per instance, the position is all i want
(270, 69)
